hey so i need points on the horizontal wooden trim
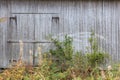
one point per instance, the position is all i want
(28, 41)
(33, 13)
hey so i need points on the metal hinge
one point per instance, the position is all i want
(13, 18)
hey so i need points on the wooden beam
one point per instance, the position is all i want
(28, 41)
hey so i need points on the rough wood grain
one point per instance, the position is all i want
(37, 19)
(3, 29)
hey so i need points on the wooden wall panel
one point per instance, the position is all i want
(100, 16)
(3, 29)
(43, 30)
(77, 18)
(21, 29)
(72, 17)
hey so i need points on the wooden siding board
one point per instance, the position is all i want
(98, 21)
(108, 30)
(1, 43)
(80, 17)
(65, 5)
(118, 30)
(114, 31)
(113, 26)
(3, 27)
(105, 11)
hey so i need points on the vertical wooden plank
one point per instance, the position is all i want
(62, 18)
(113, 26)
(114, 32)
(80, 23)
(75, 31)
(99, 21)
(66, 17)
(118, 29)
(104, 15)
(77, 10)
(38, 35)
(107, 39)
(3, 29)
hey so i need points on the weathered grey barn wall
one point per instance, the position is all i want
(37, 19)
(3, 34)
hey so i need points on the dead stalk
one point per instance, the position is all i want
(103, 74)
(40, 56)
(21, 51)
(30, 52)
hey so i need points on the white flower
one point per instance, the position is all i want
(109, 67)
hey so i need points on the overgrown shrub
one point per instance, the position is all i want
(64, 49)
(80, 64)
(96, 56)
(63, 52)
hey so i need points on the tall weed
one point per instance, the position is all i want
(96, 57)
(63, 52)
